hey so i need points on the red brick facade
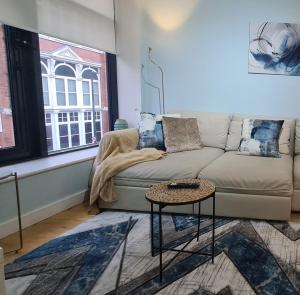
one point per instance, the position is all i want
(6, 122)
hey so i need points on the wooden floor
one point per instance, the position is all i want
(45, 230)
(54, 226)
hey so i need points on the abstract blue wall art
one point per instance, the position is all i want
(274, 48)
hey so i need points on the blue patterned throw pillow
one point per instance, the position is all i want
(261, 137)
(150, 132)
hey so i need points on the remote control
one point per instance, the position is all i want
(181, 185)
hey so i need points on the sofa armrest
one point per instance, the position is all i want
(2, 279)
(130, 135)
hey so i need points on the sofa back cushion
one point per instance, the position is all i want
(297, 137)
(286, 140)
(213, 127)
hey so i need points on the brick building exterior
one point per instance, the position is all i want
(74, 92)
(6, 121)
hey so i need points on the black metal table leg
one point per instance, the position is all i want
(213, 230)
(160, 244)
(152, 234)
(198, 232)
(19, 211)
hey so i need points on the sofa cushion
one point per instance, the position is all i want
(175, 165)
(261, 138)
(234, 136)
(297, 172)
(213, 127)
(150, 132)
(251, 175)
(286, 139)
(235, 131)
(297, 138)
(181, 134)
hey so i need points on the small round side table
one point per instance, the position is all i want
(162, 196)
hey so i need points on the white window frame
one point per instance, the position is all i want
(68, 122)
(54, 109)
(99, 120)
(66, 86)
(49, 96)
(91, 92)
(88, 121)
(52, 129)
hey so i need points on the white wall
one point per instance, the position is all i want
(18, 13)
(104, 7)
(205, 57)
(62, 19)
(128, 34)
(43, 195)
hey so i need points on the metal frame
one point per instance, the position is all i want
(161, 248)
(15, 175)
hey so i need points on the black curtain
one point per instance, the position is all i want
(112, 88)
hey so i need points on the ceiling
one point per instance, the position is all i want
(104, 7)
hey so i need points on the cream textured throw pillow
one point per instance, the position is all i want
(181, 134)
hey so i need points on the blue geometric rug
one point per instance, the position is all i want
(252, 257)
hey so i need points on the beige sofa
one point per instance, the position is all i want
(247, 186)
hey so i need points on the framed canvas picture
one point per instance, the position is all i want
(274, 48)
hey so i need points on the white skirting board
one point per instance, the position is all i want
(30, 218)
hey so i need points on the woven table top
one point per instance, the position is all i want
(161, 194)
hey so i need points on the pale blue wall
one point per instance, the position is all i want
(41, 190)
(206, 60)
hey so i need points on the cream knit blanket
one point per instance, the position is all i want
(117, 151)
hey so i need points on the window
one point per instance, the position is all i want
(55, 101)
(68, 126)
(49, 132)
(7, 136)
(88, 127)
(72, 92)
(45, 90)
(60, 92)
(98, 126)
(66, 93)
(90, 87)
(86, 90)
(96, 92)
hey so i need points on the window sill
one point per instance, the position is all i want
(30, 168)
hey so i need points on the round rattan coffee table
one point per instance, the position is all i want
(161, 195)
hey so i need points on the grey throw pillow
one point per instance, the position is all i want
(261, 138)
(181, 134)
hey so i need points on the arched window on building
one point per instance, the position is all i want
(91, 97)
(65, 83)
(90, 87)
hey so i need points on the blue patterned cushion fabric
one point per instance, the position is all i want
(150, 132)
(261, 137)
